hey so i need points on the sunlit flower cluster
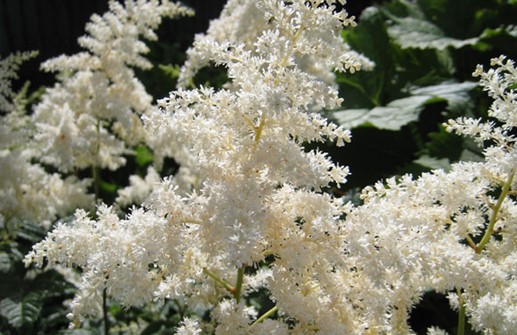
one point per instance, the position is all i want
(248, 210)
(258, 194)
(92, 116)
(28, 192)
(448, 231)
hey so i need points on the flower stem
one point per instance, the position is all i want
(238, 285)
(224, 283)
(493, 219)
(265, 315)
(461, 314)
(96, 182)
(258, 130)
(105, 312)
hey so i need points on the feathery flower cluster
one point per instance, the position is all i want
(248, 213)
(9, 67)
(447, 231)
(28, 192)
(258, 192)
(242, 22)
(93, 115)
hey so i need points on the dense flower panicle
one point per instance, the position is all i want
(27, 191)
(9, 71)
(250, 196)
(139, 188)
(410, 236)
(254, 196)
(284, 28)
(92, 116)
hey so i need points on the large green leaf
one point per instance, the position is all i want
(22, 312)
(390, 117)
(421, 34)
(457, 94)
(432, 163)
(395, 70)
(400, 112)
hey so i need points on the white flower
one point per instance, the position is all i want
(92, 116)
(189, 327)
(139, 188)
(28, 191)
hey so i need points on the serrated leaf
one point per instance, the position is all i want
(410, 32)
(402, 111)
(393, 116)
(456, 94)
(23, 312)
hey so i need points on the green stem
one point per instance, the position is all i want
(493, 219)
(105, 312)
(265, 316)
(238, 285)
(225, 284)
(96, 183)
(461, 314)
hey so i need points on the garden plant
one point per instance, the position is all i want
(241, 212)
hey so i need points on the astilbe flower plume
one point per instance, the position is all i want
(92, 116)
(258, 191)
(255, 217)
(452, 232)
(27, 191)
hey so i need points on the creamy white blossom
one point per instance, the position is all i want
(139, 188)
(258, 191)
(27, 191)
(253, 215)
(92, 116)
(448, 230)
(9, 67)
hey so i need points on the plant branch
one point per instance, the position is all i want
(224, 283)
(265, 316)
(238, 285)
(493, 219)
(105, 312)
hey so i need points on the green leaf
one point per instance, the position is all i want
(364, 89)
(31, 232)
(171, 71)
(400, 112)
(435, 24)
(443, 144)
(21, 312)
(433, 163)
(456, 94)
(109, 188)
(5, 262)
(421, 34)
(393, 116)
